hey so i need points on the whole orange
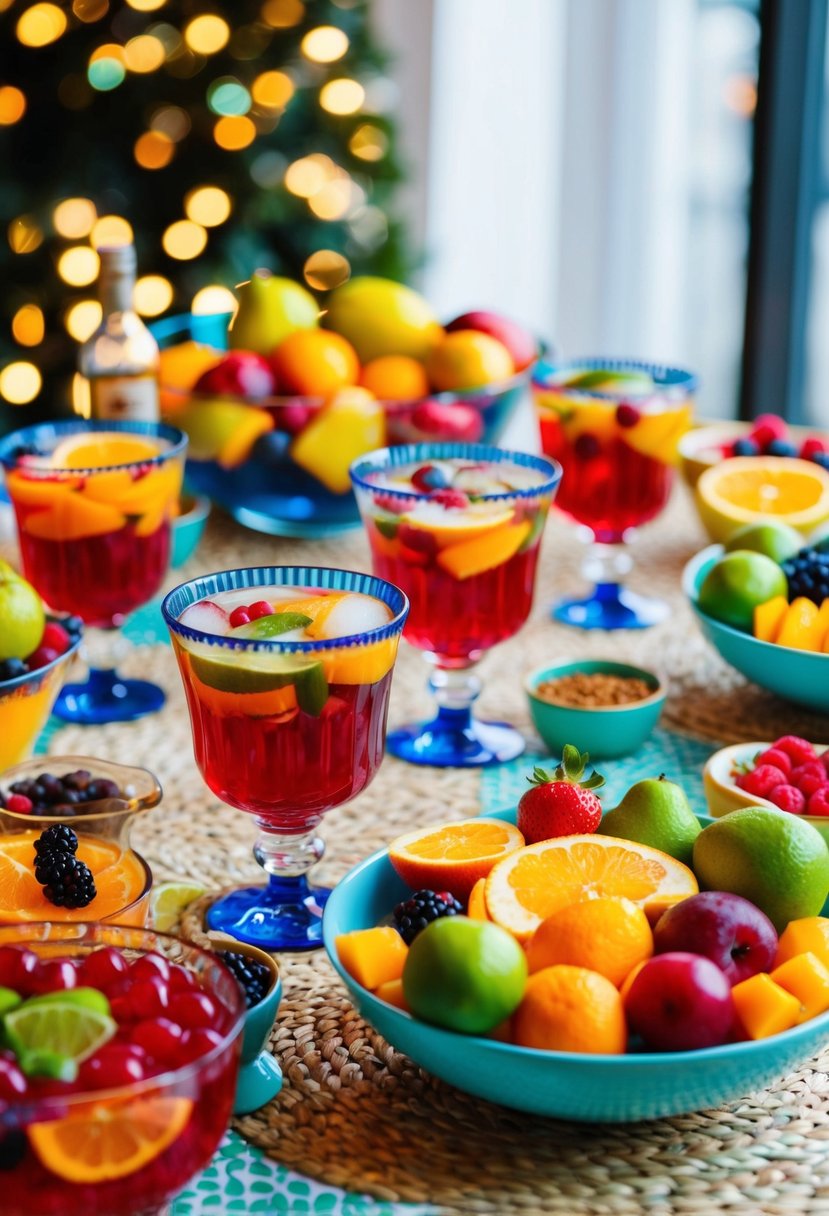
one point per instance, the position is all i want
(570, 1009)
(467, 359)
(606, 935)
(315, 363)
(179, 367)
(395, 378)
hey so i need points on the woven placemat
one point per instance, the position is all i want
(357, 1114)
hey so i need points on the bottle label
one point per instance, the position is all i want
(130, 398)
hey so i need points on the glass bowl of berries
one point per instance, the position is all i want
(789, 774)
(119, 1066)
(65, 849)
(36, 655)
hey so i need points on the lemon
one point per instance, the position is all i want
(738, 583)
(754, 489)
(381, 317)
(168, 901)
(467, 975)
(21, 615)
(776, 860)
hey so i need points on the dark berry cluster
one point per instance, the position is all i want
(419, 910)
(254, 977)
(807, 574)
(57, 638)
(66, 880)
(51, 795)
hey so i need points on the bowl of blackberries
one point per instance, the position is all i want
(260, 1077)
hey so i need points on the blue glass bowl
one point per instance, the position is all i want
(564, 1085)
(801, 676)
(267, 490)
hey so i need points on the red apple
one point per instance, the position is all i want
(726, 928)
(240, 374)
(680, 1002)
(518, 341)
(452, 421)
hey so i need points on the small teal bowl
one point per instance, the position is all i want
(606, 732)
(563, 1085)
(188, 528)
(801, 676)
(260, 1077)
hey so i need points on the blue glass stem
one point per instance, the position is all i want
(610, 605)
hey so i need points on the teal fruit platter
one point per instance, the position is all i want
(801, 676)
(563, 1085)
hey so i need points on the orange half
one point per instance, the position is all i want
(103, 450)
(105, 1141)
(454, 856)
(532, 883)
(119, 879)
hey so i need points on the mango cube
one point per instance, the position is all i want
(801, 627)
(805, 977)
(768, 618)
(372, 956)
(350, 424)
(763, 1007)
(392, 993)
(808, 935)
(823, 624)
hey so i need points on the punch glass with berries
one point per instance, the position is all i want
(287, 672)
(458, 528)
(94, 502)
(615, 426)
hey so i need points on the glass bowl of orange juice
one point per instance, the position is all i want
(99, 801)
(25, 705)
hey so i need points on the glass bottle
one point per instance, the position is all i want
(119, 362)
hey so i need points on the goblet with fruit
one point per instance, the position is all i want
(307, 387)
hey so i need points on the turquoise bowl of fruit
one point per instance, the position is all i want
(188, 527)
(793, 673)
(277, 405)
(564, 1085)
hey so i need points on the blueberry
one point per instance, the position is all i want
(11, 669)
(272, 448)
(781, 447)
(101, 787)
(73, 626)
(745, 447)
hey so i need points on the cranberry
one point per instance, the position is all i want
(150, 966)
(41, 657)
(13, 1083)
(260, 608)
(194, 1010)
(627, 415)
(146, 998)
(197, 1043)
(53, 975)
(182, 980)
(16, 967)
(103, 968)
(239, 616)
(113, 1065)
(587, 446)
(55, 637)
(160, 1038)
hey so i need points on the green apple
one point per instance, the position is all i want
(737, 583)
(381, 317)
(21, 615)
(270, 308)
(776, 540)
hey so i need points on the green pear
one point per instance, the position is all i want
(21, 615)
(270, 308)
(657, 813)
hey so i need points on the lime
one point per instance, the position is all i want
(21, 615)
(9, 999)
(737, 583)
(259, 671)
(776, 860)
(271, 626)
(43, 1063)
(609, 380)
(467, 975)
(84, 998)
(775, 540)
(58, 1027)
(168, 901)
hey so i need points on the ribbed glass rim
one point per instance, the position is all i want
(323, 578)
(394, 457)
(40, 432)
(30, 677)
(665, 376)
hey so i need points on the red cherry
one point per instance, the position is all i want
(13, 1083)
(146, 998)
(53, 975)
(160, 1038)
(16, 967)
(150, 965)
(55, 637)
(197, 1043)
(627, 415)
(194, 1010)
(103, 968)
(113, 1065)
(41, 657)
(260, 608)
(239, 616)
(182, 980)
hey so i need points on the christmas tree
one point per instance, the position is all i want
(218, 136)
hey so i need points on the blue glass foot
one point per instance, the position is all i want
(106, 697)
(284, 915)
(611, 606)
(454, 739)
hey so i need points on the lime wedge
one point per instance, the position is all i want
(168, 901)
(610, 380)
(271, 626)
(9, 999)
(51, 1064)
(262, 672)
(84, 998)
(58, 1027)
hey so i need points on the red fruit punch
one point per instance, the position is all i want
(561, 805)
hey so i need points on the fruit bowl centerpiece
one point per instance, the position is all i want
(275, 421)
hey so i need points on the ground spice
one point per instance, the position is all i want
(594, 689)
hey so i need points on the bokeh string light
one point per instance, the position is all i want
(218, 136)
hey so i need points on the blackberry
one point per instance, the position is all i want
(66, 880)
(11, 669)
(254, 977)
(59, 838)
(807, 574)
(420, 909)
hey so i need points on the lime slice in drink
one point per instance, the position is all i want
(259, 671)
(60, 1028)
(609, 380)
(50, 1064)
(84, 998)
(9, 999)
(271, 626)
(168, 901)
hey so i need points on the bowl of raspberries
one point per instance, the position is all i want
(789, 774)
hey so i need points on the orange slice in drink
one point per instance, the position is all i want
(532, 883)
(104, 1140)
(272, 703)
(103, 450)
(38, 491)
(73, 517)
(317, 607)
(472, 557)
(118, 876)
(455, 527)
(135, 495)
(454, 856)
(359, 664)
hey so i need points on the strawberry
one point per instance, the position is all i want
(562, 804)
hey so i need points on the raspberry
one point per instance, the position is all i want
(810, 447)
(761, 780)
(19, 804)
(808, 778)
(818, 804)
(449, 498)
(627, 415)
(239, 616)
(788, 798)
(768, 427)
(776, 758)
(800, 751)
